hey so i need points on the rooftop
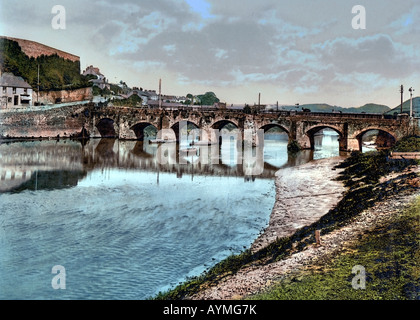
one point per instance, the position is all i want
(10, 80)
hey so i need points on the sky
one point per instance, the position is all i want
(290, 52)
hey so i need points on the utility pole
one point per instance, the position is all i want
(411, 102)
(37, 93)
(402, 97)
(160, 93)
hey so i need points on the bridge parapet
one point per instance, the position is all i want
(129, 123)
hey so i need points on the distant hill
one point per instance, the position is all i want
(323, 107)
(372, 108)
(406, 107)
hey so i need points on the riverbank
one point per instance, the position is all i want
(257, 277)
(384, 241)
(369, 179)
(303, 195)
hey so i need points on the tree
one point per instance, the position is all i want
(247, 109)
(56, 73)
(209, 98)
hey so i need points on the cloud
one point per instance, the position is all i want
(371, 54)
(299, 47)
(407, 23)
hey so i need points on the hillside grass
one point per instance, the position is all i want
(390, 255)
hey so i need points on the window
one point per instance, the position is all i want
(4, 90)
(14, 90)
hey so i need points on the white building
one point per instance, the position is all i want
(14, 92)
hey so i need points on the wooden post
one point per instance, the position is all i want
(318, 238)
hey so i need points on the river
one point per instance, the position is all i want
(121, 224)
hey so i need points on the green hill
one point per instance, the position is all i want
(372, 108)
(406, 107)
(323, 107)
(55, 73)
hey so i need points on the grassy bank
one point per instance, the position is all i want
(390, 255)
(361, 175)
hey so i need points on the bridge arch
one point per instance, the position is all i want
(220, 124)
(217, 126)
(180, 125)
(312, 131)
(106, 128)
(384, 139)
(269, 126)
(139, 129)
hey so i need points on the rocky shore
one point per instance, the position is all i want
(304, 194)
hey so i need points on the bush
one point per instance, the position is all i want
(294, 146)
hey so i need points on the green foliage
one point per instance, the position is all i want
(293, 146)
(366, 168)
(409, 144)
(389, 254)
(208, 99)
(133, 101)
(247, 109)
(55, 73)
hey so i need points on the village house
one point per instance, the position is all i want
(100, 80)
(144, 95)
(14, 92)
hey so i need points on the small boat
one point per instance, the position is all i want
(161, 141)
(200, 143)
(188, 151)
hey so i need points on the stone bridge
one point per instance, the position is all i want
(130, 123)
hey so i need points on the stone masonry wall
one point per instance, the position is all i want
(35, 49)
(47, 97)
(62, 122)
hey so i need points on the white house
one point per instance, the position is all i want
(100, 80)
(14, 92)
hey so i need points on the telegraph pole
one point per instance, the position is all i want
(402, 97)
(37, 93)
(160, 93)
(411, 102)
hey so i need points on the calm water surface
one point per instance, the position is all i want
(123, 226)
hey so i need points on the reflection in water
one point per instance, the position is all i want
(369, 141)
(326, 144)
(123, 224)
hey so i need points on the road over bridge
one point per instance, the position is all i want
(130, 123)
